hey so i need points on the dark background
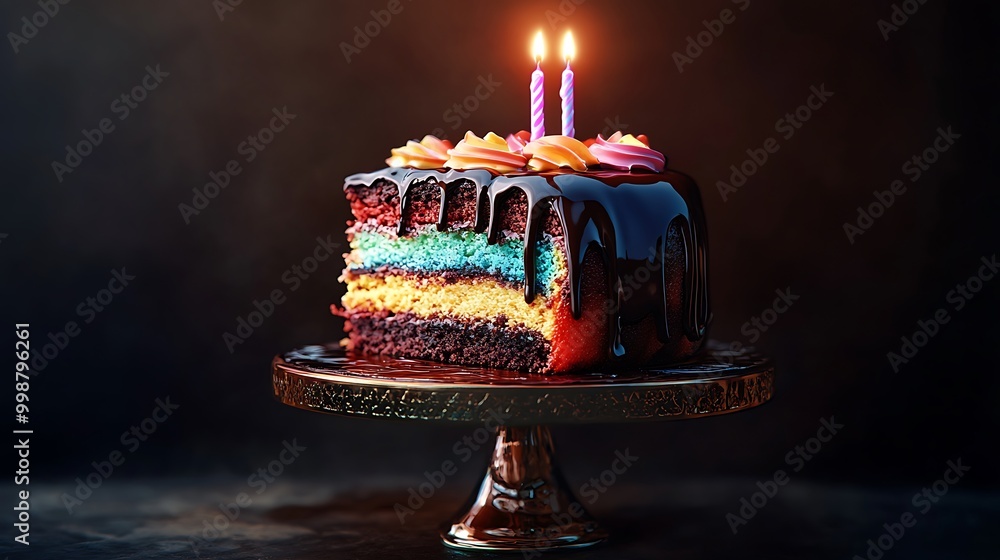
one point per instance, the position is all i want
(784, 229)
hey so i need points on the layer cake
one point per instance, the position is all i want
(544, 256)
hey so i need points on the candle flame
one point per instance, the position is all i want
(569, 47)
(538, 47)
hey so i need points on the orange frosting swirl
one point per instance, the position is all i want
(552, 152)
(489, 152)
(429, 153)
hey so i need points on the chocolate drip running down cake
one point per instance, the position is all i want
(544, 256)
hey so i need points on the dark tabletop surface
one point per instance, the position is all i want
(679, 518)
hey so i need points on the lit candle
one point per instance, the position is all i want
(566, 91)
(538, 89)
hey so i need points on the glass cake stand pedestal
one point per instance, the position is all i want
(523, 503)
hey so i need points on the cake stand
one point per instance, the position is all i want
(523, 503)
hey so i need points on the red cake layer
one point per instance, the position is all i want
(377, 205)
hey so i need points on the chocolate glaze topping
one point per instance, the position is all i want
(626, 216)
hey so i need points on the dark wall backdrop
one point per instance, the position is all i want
(163, 335)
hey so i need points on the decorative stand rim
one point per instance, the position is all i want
(325, 379)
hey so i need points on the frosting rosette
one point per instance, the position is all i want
(549, 153)
(517, 141)
(489, 152)
(627, 152)
(429, 153)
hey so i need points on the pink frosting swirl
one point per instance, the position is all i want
(627, 152)
(516, 142)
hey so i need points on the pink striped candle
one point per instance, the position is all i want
(566, 91)
(538, 90)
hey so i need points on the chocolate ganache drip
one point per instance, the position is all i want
(626, 216)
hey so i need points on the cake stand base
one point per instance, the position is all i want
(523, 504)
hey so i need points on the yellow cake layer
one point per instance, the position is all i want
(468, 298)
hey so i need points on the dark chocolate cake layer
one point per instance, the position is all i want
(447, 340)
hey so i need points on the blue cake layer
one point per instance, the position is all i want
(430, 251)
